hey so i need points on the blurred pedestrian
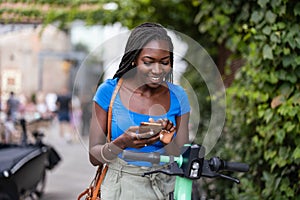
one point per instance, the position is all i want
(12, 107)
(86, 116)
(12, 111)
(76, 116)
(63, 103)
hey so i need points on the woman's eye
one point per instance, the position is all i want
(165, 63)
(147, 63)
(150, 63)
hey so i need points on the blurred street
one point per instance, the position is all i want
(74, 173)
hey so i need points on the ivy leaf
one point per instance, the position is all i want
(281, 25)
(297, 9)
(285, 187)
(268, 115)
(297, 40)
(292, 78)
(262, 3)
(286, 89)
(266, 30)
(279, 137)
(268, 177)
(269, 154)
(287, 60)
(296, 153)
(297, 60)
(274, 38)
(270, 17)
(267, 52)
(289, 126)
(286, 51)
(273, 78)
(296, 99)
(256, 16)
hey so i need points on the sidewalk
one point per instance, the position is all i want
(73, 174)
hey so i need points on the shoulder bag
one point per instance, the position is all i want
(93, 191)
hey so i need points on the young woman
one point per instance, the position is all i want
(146, 94)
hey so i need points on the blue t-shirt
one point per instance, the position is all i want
(122, 118)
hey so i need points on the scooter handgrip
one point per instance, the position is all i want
(236, 166)
(153, 157)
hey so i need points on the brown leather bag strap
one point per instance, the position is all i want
(109, 117)
(101, 172)
(99, 180)
(82, 194)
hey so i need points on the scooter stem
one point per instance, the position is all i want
(183, 188)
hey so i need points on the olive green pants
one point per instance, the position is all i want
(124, 182)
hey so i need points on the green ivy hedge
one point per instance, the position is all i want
(263, 103)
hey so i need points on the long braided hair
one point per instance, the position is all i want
(138, 38)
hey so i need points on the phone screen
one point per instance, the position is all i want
(148, 129)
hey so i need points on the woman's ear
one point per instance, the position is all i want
(133, 64)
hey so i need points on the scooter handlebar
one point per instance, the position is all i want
(216, 164)
(152, 157)
(236, 166)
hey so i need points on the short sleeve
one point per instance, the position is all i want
(104, 92)
(183, 101)
(181, 104)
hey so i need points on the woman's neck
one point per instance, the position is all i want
(136, 87)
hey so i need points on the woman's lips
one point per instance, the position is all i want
(155, 79)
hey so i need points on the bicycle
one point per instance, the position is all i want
(189, 166)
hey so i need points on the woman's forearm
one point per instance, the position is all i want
(100, 154)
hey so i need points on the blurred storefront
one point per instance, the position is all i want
(34, 59)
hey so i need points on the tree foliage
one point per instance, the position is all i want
(171, 13)
(263, 111)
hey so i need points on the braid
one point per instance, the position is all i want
(138, 38)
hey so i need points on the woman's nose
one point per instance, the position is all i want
(156, 69)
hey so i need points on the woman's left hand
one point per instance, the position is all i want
(131, 139)
(166, 134)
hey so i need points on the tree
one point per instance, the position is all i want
(171, 13)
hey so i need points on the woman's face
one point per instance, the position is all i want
(153, 63)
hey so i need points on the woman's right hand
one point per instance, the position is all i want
(130, 139)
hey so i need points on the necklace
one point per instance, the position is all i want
(135, 91)
(142, 90)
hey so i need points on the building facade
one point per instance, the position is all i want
(31, 59)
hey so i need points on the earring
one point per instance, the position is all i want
(132, 64)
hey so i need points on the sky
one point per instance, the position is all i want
(93, 36)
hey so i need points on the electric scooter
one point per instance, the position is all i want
(189, 166)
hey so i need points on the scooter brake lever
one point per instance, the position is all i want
(171, 170)
(230, 178)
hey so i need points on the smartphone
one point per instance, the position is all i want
(149, 129)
